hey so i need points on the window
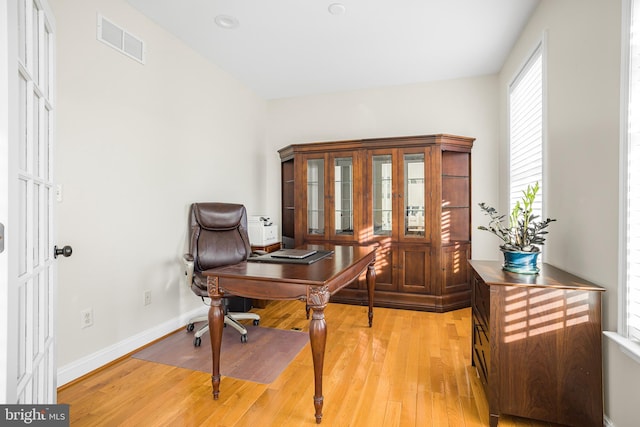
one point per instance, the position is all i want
(525, 130)
(633, 180)
(631, 274)
(628, 335)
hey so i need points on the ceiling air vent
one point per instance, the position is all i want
(124, 42)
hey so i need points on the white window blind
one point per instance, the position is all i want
(633, 181)
(525, 130)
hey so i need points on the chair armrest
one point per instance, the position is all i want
(188, 268)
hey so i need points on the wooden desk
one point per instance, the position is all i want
(537, 344)
(313, 283)
(260, 303)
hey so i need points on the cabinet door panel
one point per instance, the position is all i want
(345, 202)
(342, 196)
(456, 268)
(415, 206)
(315, 196)
(415, 269)
(382, 194)
(384, 269)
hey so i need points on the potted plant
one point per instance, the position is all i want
(523, 234)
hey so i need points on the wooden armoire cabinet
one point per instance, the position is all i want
(409, 195)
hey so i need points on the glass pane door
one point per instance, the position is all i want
(28, 360)
(382, 174)
(315, 196)
(343, 196)
(414, 206)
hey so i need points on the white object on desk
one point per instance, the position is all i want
(262, 231)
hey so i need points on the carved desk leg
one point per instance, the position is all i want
(216, 323)
(317, 300)
(371, 285)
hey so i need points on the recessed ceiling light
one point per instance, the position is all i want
(227, 22)
(337, 9)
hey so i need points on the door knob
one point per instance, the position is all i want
(65, 251)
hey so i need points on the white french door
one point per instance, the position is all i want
(27, 267)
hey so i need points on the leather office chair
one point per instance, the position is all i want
(218, 237)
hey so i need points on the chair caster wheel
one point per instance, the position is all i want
(243, 338)
(190, 327)
(197, 341)
(256, 322)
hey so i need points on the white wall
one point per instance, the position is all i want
(466, 107)
(582, 152)
(136, 144)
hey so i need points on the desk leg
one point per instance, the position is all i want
(371, 286)
(318, 299)
(216, 323)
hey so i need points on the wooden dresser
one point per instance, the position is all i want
(537, 344)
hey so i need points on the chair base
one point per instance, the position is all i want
(229, 319)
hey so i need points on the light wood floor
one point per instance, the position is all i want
(411, 369)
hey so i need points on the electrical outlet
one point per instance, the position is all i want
(147, 297)
(86, 318)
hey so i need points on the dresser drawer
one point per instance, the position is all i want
(481, 352)
(480, 301)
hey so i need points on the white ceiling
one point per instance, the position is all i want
(285, 48)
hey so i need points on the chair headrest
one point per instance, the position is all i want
(218, 216)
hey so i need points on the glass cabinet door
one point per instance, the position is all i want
(343, 196)
(315, 196)
(414, 190)
(382, 198)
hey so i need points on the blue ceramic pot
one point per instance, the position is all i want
(521, 262)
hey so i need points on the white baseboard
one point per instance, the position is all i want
(100, 358)
(608, 422)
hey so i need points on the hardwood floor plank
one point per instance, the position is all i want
(410, 369)
(392, 414)
(439, 415)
